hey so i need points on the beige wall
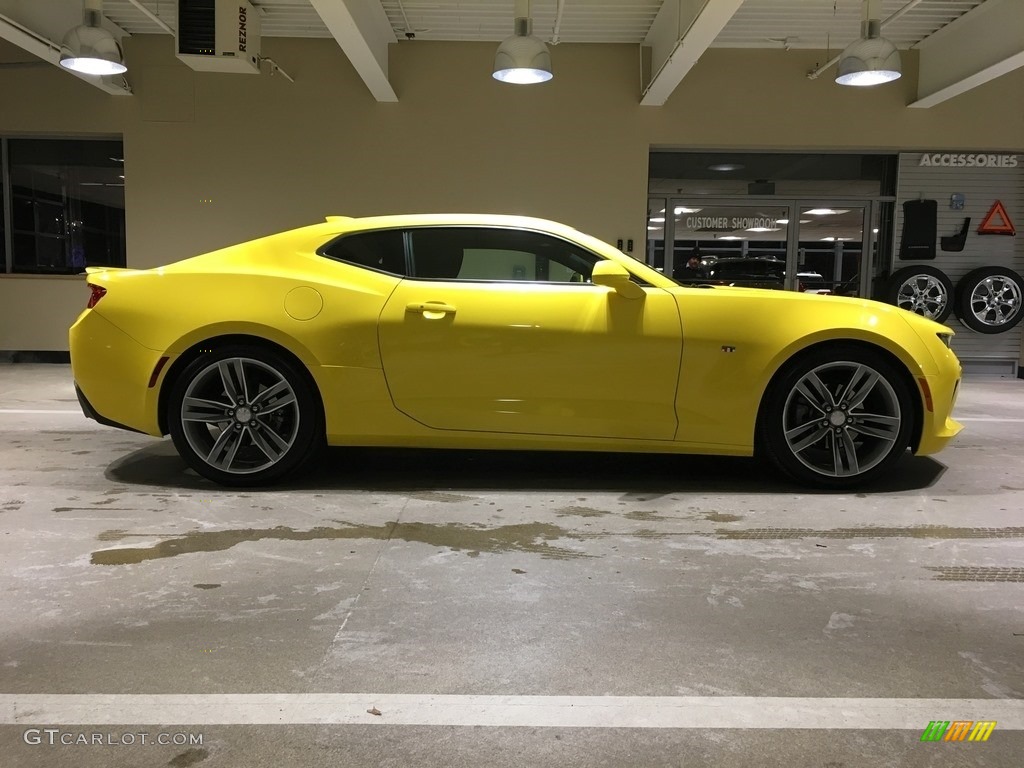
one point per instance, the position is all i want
(271, 154)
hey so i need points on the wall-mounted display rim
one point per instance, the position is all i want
(990, 299)
(921, 289)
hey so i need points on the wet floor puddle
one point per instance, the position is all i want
(533, 538)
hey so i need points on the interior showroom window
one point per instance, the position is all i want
(64, 205)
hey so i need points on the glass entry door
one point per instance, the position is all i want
(766, 243)
(830, 254)
(730, 243)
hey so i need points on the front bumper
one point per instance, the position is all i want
(938, 426)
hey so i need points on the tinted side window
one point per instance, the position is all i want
(382, 251)
(479, 253)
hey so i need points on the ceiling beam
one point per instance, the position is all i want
(978, 47)
(363, 31)
(36, 28)
(681, 32)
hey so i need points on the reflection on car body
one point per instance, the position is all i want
(747, 273)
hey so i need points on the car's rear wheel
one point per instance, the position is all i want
(836, 417)
(244, 415)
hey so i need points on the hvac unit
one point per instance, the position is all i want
(218, 35)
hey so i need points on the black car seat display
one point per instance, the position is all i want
(918, 241)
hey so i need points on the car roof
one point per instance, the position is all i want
(352, 223)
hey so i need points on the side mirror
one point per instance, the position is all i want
(615, 276)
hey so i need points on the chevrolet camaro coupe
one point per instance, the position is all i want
(498, 332)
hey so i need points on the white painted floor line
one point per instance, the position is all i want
(753, 712)
(41, 410)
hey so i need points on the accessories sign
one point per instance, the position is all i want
(946, 160)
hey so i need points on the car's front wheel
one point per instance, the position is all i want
(836, 417)
(244, 415)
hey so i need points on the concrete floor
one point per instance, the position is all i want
(405, 572)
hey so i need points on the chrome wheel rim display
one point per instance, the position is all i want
(995, 301)
(841, 419)
(240, 415)
(923, 294)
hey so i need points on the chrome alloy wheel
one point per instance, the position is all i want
(240, 415)
(923, 294)
(841, 419)
(995, 301)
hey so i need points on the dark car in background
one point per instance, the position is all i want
(746, 273)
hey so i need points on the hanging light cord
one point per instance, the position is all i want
(560, 9)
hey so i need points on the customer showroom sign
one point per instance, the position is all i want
(729, 223)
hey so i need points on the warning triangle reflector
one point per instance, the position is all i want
(989, 225)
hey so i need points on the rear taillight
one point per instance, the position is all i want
(98, 292)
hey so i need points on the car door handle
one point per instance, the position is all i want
(431, 309)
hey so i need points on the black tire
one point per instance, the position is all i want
(245, 429)
(920, 289)
(990, 299)
(874, 423)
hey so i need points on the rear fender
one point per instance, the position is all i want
(192, 343)
(257, 330)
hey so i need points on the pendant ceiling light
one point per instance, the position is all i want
(522, 59)
(872, 59)
(89, 48)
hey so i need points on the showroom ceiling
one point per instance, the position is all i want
(961, 43)
(757, 23)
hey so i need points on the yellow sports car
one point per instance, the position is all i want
(498, 332)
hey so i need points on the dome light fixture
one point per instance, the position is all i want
(89, 48)
(522, 59)
(871, 59)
